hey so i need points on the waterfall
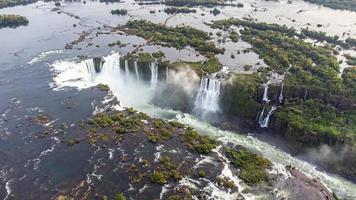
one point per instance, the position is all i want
(261, 115)
(305, 94)
(208, 95)
(265, 121)
(167, 73)
(127, 71)
(154, 74)
(136, 70)
(265, 94)
(91, 68)
(280, 98)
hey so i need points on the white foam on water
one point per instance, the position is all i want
(204, 160)
(143, 188)
(71, 74)
(43, 55)
(111, 153)
(36, 161)
(8, 189)
(165, 189)
(342, 187)
(226, 172)
(158, 152)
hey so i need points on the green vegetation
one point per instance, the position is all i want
(174, 197)
(321, 37)
(194, 2)
(247, 67)
(119, 12)
(11, 3)
(145, 57)
(72, 142)
(173, 10)
(101, 120)
(12, 21)
(349, 81)
(158, 177)
(176, 124)
(120, 196)
(350, 60)
(215, 11)
(201, 144)
(226, 23)
(263, 26)
(234, 36)
(158, 55)
(243, 87)
(336, 4)
(103, 87)
(225, 182)
(318, 119)
(117, 43)
(211, 65)
(201, 173)
(196, 66)
(252, 167)
(312, 66)
(167, 170)
(351, 41)
(154, 138)
(178, 37)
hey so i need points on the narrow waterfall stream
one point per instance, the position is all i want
(136, 71)
(280, 97)
(264, 121)
(127, 71)
(265, 94)
(154, 74)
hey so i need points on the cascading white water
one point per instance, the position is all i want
(90, 67)
(264, 123)
(111, 65)
(127, 70)
(260, 118)
(280, 98)
(207, 98)
(125, 86)
(154, 74)
(167, 73)
(265, 94)
(136, 71)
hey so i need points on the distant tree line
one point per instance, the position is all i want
(12, 21)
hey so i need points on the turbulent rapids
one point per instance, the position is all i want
(135, 88)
